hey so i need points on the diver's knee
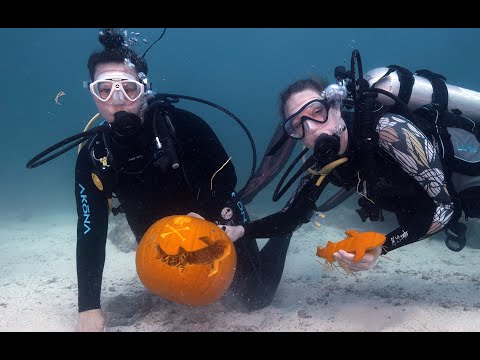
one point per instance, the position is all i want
(258, 304)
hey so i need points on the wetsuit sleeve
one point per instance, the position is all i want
(416, 155)
(295, 213)
(212, 170)
(92, 226)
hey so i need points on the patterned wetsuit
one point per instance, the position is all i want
(410, 183)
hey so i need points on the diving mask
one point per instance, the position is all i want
(315, 110)
(121, 84)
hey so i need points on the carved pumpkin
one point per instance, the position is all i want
(186, 259)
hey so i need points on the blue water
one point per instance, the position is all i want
(243, 70)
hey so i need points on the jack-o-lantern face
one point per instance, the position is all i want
(186, 259)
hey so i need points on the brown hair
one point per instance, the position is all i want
(115, 50)
(298, 86)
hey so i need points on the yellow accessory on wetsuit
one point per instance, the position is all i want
(221, 167)
(327, 169)
(89, 125)
(323, 172)
(96, 180)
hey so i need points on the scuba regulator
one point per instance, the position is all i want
(354, 93)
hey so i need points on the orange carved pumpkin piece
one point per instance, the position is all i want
(358, 243)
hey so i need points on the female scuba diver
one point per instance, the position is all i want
(384, 156)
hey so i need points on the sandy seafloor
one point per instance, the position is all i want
(421, 287)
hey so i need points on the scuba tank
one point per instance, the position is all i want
(420, 91)
(447, 114)
(450, 116)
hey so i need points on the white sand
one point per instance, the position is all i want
(421, 287)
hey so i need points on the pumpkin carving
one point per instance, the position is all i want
(186, 259)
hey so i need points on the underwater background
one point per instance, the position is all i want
(241, 69)
(420, 287)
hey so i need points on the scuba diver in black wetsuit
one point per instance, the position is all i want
(409, 165)
(157, 160)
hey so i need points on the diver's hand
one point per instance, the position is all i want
(367, 262)
(91, 321)
(194, 214)
(233, 232)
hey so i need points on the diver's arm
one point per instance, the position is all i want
(280, 223)
(292, 216)
(416, 155)
(92, 226)
(408, 234)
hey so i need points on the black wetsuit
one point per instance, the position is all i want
(152, 194)
(410, 182)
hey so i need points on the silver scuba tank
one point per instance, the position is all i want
(467, 101)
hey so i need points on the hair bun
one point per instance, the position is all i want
(111, 39)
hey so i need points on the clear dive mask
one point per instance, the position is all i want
(315, 110)
(119, 87)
